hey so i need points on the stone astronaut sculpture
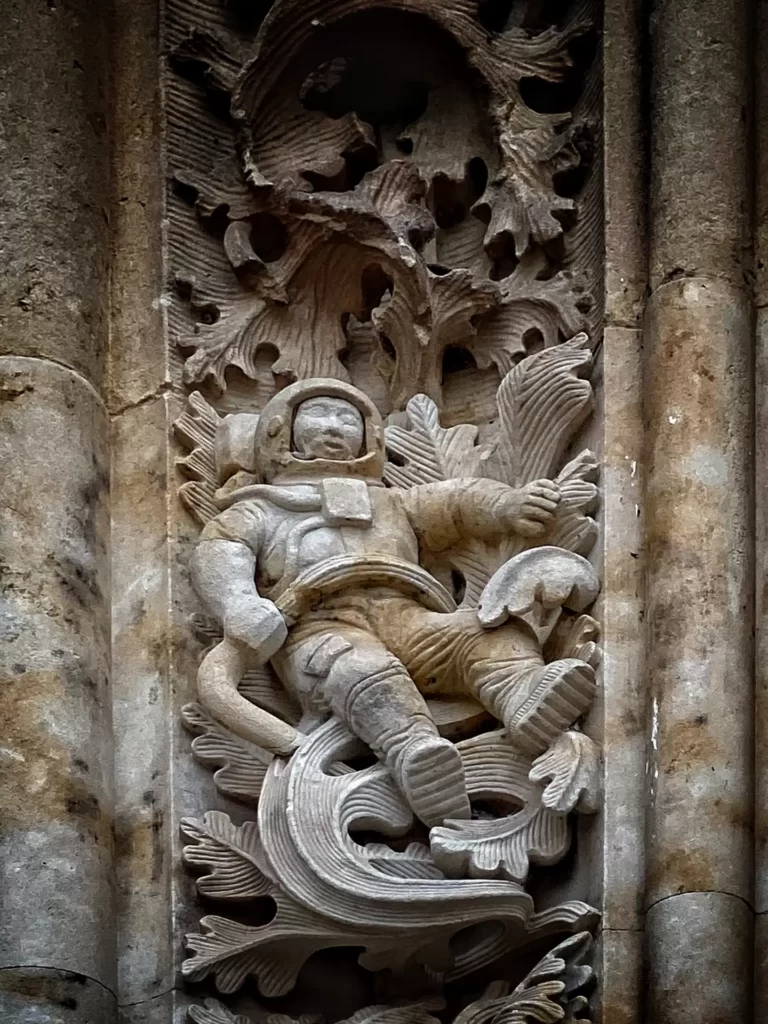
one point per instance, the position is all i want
(314, 564)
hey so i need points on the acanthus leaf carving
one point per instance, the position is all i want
(550, 993)
(241, 766)
(550, 308)
(366, 266)
(322, 875)
(429, 451)
(424, 312)
(196, 429)
(571, 769)
(232, 855)
(542, 402)
(215, 54)
(214, 1012)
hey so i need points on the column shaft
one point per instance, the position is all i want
(699, 531)
(619, 955)
(57, 947)
(761, 517)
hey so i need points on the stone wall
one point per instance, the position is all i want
(115, 135)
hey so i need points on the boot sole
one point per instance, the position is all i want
(563, 694)
(434, 784)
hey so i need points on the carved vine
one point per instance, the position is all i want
(429, 259)
(386, 245)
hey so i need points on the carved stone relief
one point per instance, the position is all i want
(388, 329)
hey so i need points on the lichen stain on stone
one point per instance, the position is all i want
(140, 842)
(692, 870)
(9, 392)
(40, 986)
(618, 1012)
(632, 722)
(43, 784)
(692, 745)
(733, 813)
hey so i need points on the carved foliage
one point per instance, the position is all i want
(305, 234)
(542, 402)
(342, 232)
(329, 891)
(553, 991)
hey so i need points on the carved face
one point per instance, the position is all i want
(328, 428)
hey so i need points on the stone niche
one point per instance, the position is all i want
(384, 239)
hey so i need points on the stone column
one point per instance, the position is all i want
(57, 949)
(620, 947)
(698, 393)
(761, 518)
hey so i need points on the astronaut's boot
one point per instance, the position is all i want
(431, 775)
(535, 702)
(372, 692)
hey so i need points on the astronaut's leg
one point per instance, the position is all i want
(502, 668)
(536, 702)
(372, 693)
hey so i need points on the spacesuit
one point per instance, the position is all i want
(365, 632)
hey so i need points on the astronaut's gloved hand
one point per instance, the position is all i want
(257, 623)
(531, 509)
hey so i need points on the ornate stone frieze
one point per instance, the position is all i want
(383, 307)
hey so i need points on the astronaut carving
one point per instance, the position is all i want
(412, 593)
(364, 632)
(397, 654)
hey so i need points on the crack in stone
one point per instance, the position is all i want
(700, 892)
(59, 970)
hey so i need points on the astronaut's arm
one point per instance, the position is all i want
(223, 573)
(448, 511)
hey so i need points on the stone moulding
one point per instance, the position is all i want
(396, 510)
(553, 991)
(286, 243)
(404, 906)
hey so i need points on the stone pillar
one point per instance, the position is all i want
(57, 949)
(698, 393)
(621, 611)
(761, 518)
(146, 820)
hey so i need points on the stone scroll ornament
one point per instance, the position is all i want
(398, 640)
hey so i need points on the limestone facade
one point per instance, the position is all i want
(383, 519)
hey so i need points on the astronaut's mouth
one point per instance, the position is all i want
(327, 450)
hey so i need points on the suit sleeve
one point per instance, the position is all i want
(224, 562)
(448, 511)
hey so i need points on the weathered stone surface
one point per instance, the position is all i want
(54, 180)
(621, 980)
(142, 649)
(761, 515)
(699, 565)
(30, 995)
(138, 357)
(761, 621)
(55, 702)
(700, 556)
(169, 1008)
(621, 706)
(622, 700)
(761, 965)
(624, 165)
(699, 190)
(701, 963)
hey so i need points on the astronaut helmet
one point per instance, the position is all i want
(276, 457)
